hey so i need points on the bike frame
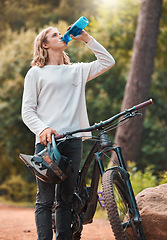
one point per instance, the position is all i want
(89, 193)
(97, 171)
(86, 197)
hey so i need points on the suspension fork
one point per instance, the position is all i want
(137, 218)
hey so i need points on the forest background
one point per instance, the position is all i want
(113, 24)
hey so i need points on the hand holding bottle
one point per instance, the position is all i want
(75, 29)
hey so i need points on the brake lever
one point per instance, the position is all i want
(136, 113)
(130, 115)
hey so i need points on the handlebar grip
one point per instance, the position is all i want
(59, 136)
(143, 104)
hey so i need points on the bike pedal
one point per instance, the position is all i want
(101, 198)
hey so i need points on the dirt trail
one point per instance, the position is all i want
(18, 224)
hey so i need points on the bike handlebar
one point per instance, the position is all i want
(107, 122)
(143, 104)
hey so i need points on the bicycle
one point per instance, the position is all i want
(117, 192)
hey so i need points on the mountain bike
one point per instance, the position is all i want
(117, 194)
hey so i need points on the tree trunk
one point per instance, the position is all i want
(139, 79)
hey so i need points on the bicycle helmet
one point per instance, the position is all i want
(48, 165)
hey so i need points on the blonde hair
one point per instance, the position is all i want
(40, 57)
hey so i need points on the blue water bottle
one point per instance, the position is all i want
(76, 29)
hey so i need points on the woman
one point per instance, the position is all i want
(54, 103)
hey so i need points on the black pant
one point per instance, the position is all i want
(46, 193)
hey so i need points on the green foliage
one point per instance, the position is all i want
(163, 177)
(145, 179)
(14, 135)
(154, 140)
(70, 11)
(18, 190)
(141, 180)
(112, 23)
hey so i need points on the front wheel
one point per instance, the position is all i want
(119, 208)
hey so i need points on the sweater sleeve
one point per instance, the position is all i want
(104, 61)
(29, 103)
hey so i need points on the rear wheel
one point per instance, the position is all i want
(119, 207)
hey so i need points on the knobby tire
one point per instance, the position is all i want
(119, 207)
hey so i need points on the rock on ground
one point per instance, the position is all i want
(152, 204)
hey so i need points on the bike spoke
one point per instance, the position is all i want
(122, 210)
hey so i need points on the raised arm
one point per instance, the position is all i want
(104, 59)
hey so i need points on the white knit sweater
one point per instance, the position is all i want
(54, 96)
